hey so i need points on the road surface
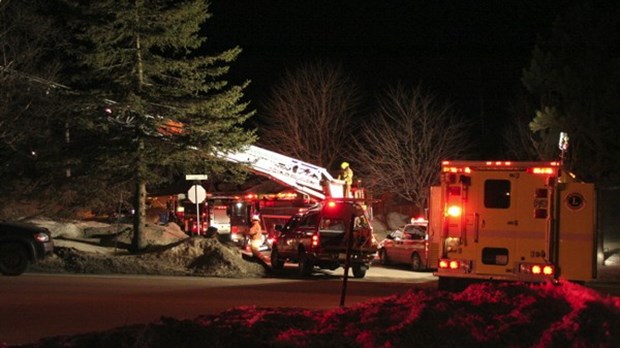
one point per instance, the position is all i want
(34, 306)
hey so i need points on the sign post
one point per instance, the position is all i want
(196, 194)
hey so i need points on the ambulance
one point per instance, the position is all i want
(512, 221)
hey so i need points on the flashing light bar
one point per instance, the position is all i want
(466, 170)
(541, 170)
(498, 163)
(466, 166)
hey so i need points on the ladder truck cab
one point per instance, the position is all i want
(512, 221)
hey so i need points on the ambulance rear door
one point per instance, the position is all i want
(500, 215)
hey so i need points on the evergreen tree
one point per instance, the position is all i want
(167, 105)
(574, 73)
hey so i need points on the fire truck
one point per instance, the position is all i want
(231, 213)
(512, 221)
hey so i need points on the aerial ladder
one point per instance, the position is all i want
(303, 177)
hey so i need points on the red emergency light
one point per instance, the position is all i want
(315, 240)
(454, 211)
(498, 163)
(456, 170)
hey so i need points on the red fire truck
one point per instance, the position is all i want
(515, 221)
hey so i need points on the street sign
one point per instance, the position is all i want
(196, 177)
(197, 194)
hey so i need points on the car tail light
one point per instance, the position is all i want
(315, 240)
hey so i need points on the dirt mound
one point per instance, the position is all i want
(207, 257)
(193, 256)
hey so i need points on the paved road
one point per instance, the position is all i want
(33, 306)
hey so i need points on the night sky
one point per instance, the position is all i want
(469, 53)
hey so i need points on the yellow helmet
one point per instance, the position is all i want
(344, 165)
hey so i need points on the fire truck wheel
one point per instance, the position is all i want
(359, 270)
(416, 263)
(276, 262)
(305, 264)
(383, 257)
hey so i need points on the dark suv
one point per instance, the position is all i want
(320, 236)
(22, 244)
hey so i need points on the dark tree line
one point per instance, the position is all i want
(146, 100)
(93, 93)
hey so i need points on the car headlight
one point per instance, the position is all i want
(42, 237)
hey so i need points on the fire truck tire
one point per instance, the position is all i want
(305, 264)
(416, 263)
(276, 262)
(383, 257)
(359, 270)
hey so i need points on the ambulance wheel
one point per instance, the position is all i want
(305, 264)
(276, 262)
(359, 270)
(416, 263)
(383, 257)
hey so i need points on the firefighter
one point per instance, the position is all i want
(256, 239)
(347, 176)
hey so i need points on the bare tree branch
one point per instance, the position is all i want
(309, 114)
(402, 146)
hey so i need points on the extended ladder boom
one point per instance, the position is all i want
(302, 176)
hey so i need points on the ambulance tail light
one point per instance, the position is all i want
(454, 265)
(538, 269)
(454, 211)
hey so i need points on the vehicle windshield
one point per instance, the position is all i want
(291, 224)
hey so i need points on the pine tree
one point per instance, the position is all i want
(574, 74)
(167, 105)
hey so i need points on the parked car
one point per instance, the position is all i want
(22, 244)
(407, 245)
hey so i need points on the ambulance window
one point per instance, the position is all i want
(497, 194)
(495, 256)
